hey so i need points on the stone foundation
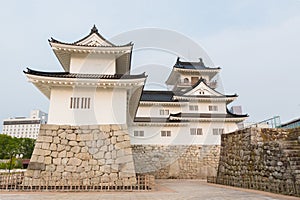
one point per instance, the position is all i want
(83, 152)
(176, 161)
(265, 159)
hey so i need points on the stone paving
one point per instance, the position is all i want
(166, 189)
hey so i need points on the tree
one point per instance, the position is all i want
(10, 146)
(26, 147)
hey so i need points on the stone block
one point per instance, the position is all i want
(74, 162)
(120, 138)
(44, 139)
(105, 169)
(71, 136)
(62, 154)
(83, 156)
(56, 161)
(92, 127)
(113, 140)
(45, 145)
(42, 132)
(107, 155)
(73, 143)
(114, 168)
(41, 159)
(60, 168)
(69, 132)
(64, 161)
(75, 149)
(109, 161)
(93, 150)
(48, 160)
(104, 128)
(85, 137)
(56, 140)
(84, 149)
(101, 161)
(50, 168)
(38, 145)
(70, 154)
(99, 155)
(80, 169)
(116, 127)
(64, 127)
(122, 145)
(36, 166)
(62, 135)
(52, 127)
(81, 144)
(68, 148)
(99, 143)
(34, 158)
(70, 168)
(64, 142)
(54, 154)
(60, 147)
(53, 147)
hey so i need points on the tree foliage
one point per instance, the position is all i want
(11, 146)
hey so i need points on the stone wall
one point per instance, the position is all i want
(176, 161)
(266, 159)
(82, 151)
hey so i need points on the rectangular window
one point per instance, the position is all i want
(196, 131)
(80, 103)
(193, 107)
(165, 133)
(218, 131)
(164, 112)
(213, 108)
(138, 133)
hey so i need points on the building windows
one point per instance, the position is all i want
(80, 103)
(186, 80)
(193, 107)
(213, 108)
(138, 133)
(164, 112)
(196, 131)
(165, 133)
(218, 131)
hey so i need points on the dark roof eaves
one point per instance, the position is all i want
(82, 76)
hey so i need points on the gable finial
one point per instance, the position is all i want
(201, 62)
(94, 29)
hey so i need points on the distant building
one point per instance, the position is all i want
(291, 124)
(25, 127)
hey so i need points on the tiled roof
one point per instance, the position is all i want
(192, 65)
(82, 76)
(162, 96)
(93, 30)
(155, 120)
(207, 115)
(167, 96)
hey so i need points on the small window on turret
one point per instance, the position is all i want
(80, 103)
(186, 80)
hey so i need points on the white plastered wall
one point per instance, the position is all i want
(180, 135)
(108, 106)
(92, 64)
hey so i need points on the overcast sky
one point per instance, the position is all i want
(256, 43)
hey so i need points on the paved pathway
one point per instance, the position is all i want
(166, 189)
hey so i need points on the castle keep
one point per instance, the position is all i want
(102, 123)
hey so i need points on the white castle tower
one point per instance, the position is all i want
(96, 86)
